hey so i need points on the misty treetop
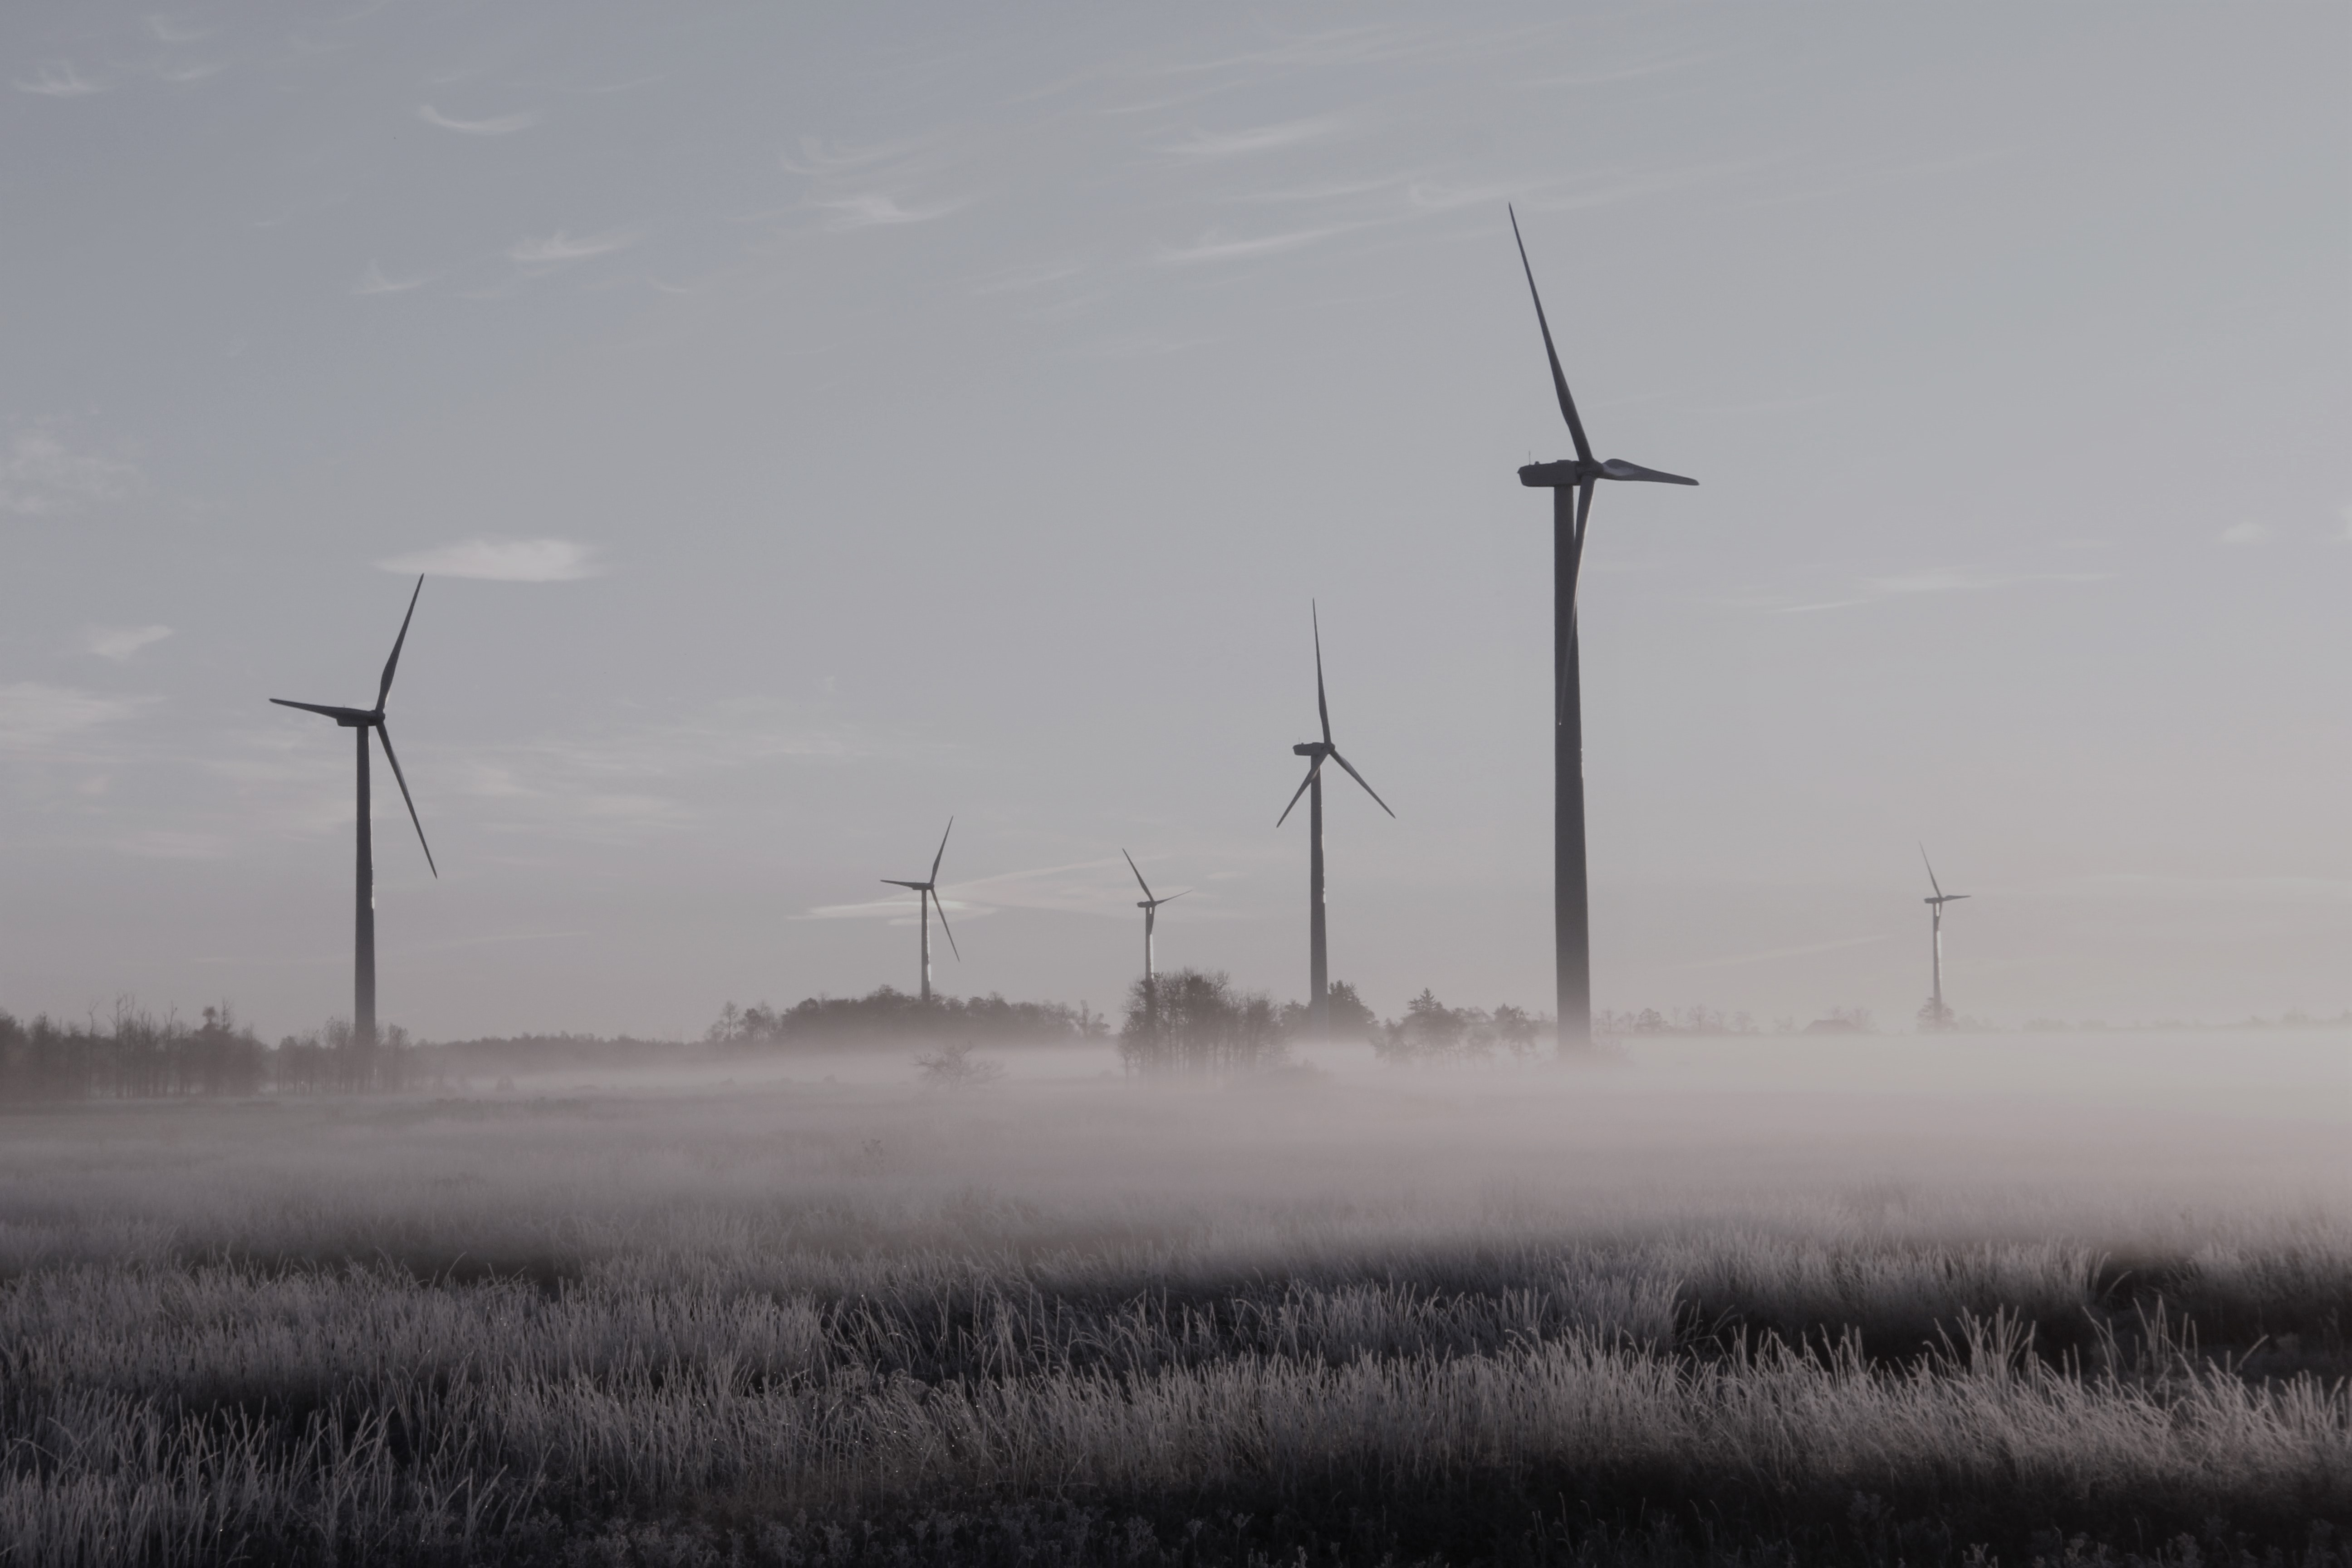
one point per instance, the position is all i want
(889, 1015)
(1430, 1031)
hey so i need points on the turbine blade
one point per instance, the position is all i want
(383, 734)
(1321, 707)
(1956, 897)
(1139, 876)
(944, 923)
(894, 881)
(392, 663)
(1359, 779)
(942, 854)
(320, 708)
(1173, 897)
(1312, 769)
(1931, 871)
(1619, 468)
(1558, 381)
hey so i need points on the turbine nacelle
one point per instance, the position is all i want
(372, 719)
(1570, 472)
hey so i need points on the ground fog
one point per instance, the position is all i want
(1928, 1299)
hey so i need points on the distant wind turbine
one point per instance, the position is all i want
(927, 898)
(1151, 908)
(1939, 1015)
(1571, 481)
(1319, 968)
(363, 720)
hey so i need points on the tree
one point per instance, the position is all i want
(1193, 1022)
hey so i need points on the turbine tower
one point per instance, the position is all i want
(362, 720)
(1939, 1015)
(927, 898)
(1151, 908)
(1319, 968)
(1571, 481)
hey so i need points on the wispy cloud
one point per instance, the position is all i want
(35, 718)
(2244, 533)
(869, 208)
(502, 561)
(58, 80)
(874, 186)
(1257, 139)
(562, 247)
(497, 125)
(375, 280)
(39, 475)
(120, 643)
(1214, 247)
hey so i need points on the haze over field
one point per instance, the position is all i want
(812, 425)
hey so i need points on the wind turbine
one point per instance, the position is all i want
(927, 898)
(363, 720)
(1319, 969)
(1571, 481)
(1151, 908)
(1939, 1015)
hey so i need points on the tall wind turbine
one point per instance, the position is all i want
(1571, 481)
(363, 720)
(1319, 968)
(927, 898)
(1939, 1015)
(1151, 913)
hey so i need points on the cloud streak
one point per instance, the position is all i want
(1213, 247)
(497, 125)
(120, 643)
(59, 80)
(873, 208)
(35, 718)
(40, 477)
(502, 561)
(562, 248)
(375, 280)
(1205, 144)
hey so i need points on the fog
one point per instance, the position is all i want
(2213, 1137)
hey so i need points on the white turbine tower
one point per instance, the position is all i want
(1151, 908)
(926, 898)
(1938, 1015)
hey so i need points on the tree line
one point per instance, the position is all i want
(137, 1055)
(889, 1015)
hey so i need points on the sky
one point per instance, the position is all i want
(816, 422)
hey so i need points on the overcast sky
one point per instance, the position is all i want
(816, 422)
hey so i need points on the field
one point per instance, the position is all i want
(1959, 1301)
